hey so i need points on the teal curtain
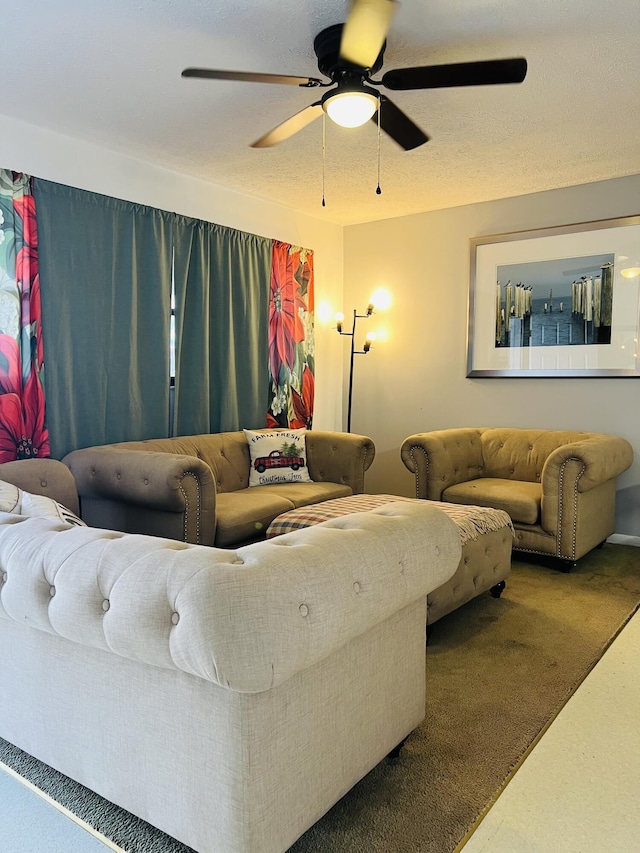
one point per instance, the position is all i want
(105, 276)
(222, 318)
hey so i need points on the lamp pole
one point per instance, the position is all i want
(365, 349)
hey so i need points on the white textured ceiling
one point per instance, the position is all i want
(109, 73)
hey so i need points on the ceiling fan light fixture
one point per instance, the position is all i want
(350, 109)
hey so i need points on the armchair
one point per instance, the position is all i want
(558, 486)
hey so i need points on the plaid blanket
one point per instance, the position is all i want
(472, 521)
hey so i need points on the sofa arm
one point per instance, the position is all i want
(578, 491)
(599, 458)
(157, 481)
(442, 458)
(48, 477)
(339, 457)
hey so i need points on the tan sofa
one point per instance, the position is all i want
(228, 697)
(558, 486)
(195, 488)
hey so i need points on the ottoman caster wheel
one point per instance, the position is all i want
(496, 591)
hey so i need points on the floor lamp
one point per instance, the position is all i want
(365, 349)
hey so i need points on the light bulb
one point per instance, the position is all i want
(369, 339)
(351, 109)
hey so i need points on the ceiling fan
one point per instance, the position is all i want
(348, 54)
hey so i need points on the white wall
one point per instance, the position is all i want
(416, 380)
(38, 152)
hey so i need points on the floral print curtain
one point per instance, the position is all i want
(22, 409)
(291, 338)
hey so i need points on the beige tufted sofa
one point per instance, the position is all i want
(195, 488)
(228, 697)
(558, 486)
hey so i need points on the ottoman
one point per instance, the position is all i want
(486, 535)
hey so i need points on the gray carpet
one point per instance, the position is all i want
(498, 671)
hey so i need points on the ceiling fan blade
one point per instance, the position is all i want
(481, 73)
(290, 126)
(365, 31)
(399, 126)
(250, 77)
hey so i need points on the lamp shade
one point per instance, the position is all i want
(350, 109)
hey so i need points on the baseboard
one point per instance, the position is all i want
(622, 539)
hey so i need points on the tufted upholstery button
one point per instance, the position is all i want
(335, 447)
(93, 472)
(437, 550)
(512, 470)
(52, 591)
(304, 610)
(118, 476)
(43, 483)
(175, 618)
(356, 587)
(222, 453)
(106, 604)
(146, 481)
(531, 447)
(238, 561)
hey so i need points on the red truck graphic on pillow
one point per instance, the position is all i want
(277, 459)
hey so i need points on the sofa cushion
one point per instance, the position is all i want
(518, 498)
(19, 502)
(245, 515)
(277, 457)
(304, 494)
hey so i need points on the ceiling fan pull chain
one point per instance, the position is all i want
(324, 145)
(378, 190)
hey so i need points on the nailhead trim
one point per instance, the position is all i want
(575, 506)
(416, 468)
(364, 468)
(187, 507)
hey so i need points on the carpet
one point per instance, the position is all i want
(498, 671)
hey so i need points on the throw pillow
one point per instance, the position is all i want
(277, 457)
(19, 502)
